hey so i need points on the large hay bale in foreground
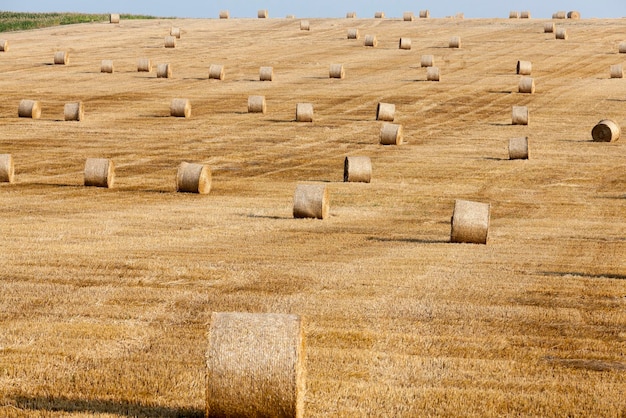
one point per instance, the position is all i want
(216, 72)
(526, 85)
(336, 71)
(7, 169)
(311, 201)
(470, 222)
(370, 40)
(4, 45)
(262, 14)
(193, 178)
(61, 58)
(455, 42)
(405, 43)
(357, 169)
(518, 148)
(606, 130)
(519, 115)
(180, 108)
(224, 14)
(74, 111)
(432, 74)
(114, 18)
(353, 33)
(385, 111)
(617, 71)
(144, 65)
(29, 109)
(255, 365)
(170, 42)
(256, 104)
(391, 134)
(524, 67)
(266, 73)
(106, 66)
(304, 112)
(427, 61)
(164, 71)
(99, 172)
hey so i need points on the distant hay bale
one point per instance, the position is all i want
(336, 71)
(404, 43)
(606, 130)
(255, 365)
(513, 14)
(617, 71)
(266, 73)
(216, 72)
(470, 222)
(622, 48)
(525, 14)
(432, 74)
(548, 27)
(106, 66)
(224, 14)
(74, 111)
(304, 112)
(526, 85)
(518, 148)
(290, 17)
(427, 61)
(460, 16)
(305, 25)
(573, 15)
(180, 108)
(256, 104)
(385, 112)
(424, 14)
(351, 15)
(114, 18)
(99, 172)
(144, 65)
(353, 34)
(29, 109)
(455, 42)
(524, 67)
(61, 58)
(370, 40)
(520, 115)
(262, 14)
(164, 71)
(193, 178)
(391, 134)
(561, 14)
(561, 33)
(175, 32)
(408, 16)
(379, 15)
(4, 45)
(170, 42)
(357, 170)
(7, 169)
(311, 201)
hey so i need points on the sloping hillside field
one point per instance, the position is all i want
(106, 293)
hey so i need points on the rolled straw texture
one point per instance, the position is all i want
(385, 112)
(106, 66)
(606, 130)
(311, 201)
(561, 33)
(4, 45)
(305, 25)
(470, 222)
(255, 365)
(357, 169)
(29, 109)
(74, 111)
(379, 15)
(114, 18)
(559, 15)
(526, 85)
(353, 34)
(617, 71)
(216, 72)
(455, 42)
(524, 67)
(404, 43)
(262, 14)
(520, 115)
(7, 169)
(370, 40)
(61, 58)
(175, 32)
(408, 16)
(304, 112)
(164, 71)
(427, 61)
(432, 74)
(548, 27)
(524, 14)
(573, 15)
(99, 172)
(336, 71)
(224, 14)
(193, 178)
(513, 14)
(144, 65)
(351, 15)
(622, 48)
(256, 104)
(391, 134)
(424, 14)
(518, 148)
(180, 108)
(170, 42)
(266, 73)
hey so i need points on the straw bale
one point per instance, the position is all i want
(370, 40)
(61, 58)
(266, 73)
(256, 104)
(106, 66)
(262, 14)
(74, 111)
(518, 148)
(520, 115)
(180, 108)
(408, 16)
(216, 72)
(175, 32)
(353, 33)
(524, 67)
(470, 222)
(622, 48)
(617, 71)
(351, 15)
(7, 169)
(561, 14)
(427, 61)
(193, 178)
(99, 172)
(385, 111)
(357, 169)
(310, 201)
(424, 14)
(561, 33)
(144, 65)
(513, 14)
(4, 45)
(391, 134)
(526, 85)
(548, 27)
(379, 15)
(114, 18)
(224, 14)
(304, 112)
(432, 74)
(405, 43)
(164, 71)
(29, 109)
(305, 25)
(336, 71)
(573, 15)
(455, 42)
(606, 130)
(525, 14)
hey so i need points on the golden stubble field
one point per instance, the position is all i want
(106, 294)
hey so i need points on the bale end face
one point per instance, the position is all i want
(29, 109)
(7, 169)
(193, 178)
(99, 172)
(391, 134)
(518, 148)
(357, 169)
(304, 112)
(470, 222)
(606, 130)
(311, 201)
(74, 111)
(180, 108)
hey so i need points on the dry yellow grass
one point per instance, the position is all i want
(105, 295)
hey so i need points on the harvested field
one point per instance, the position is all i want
(105, 294)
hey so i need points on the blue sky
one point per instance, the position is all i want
(321, 8)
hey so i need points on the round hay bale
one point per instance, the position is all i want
(175, 32)
(7, 169)
(310, 201)
(170, 42)
(255, 365)
(561, 33)
(518, 148)
(216, 72)
(573, 15)
(106, 66)
(256, 104)
(266, 73)
(114, 18)
(526, 85)
(427, 61)
(336, 71)
(351, 15)
(520, 115)
(391, 134)
(224, 14)
(304, 112)
(432, 74)
(424, 14)
(455, 42)
(290, 16)
(408, 16)
(617, 71)
(99, 172)
(379, 15)
(305, 25)
(357, 169)
(524, 67)
(405, 43)
(61, 58)
(193, 178)
(180, 108)
(561, 14)
(262, 14)
(513, 14)
(74, 111)
(4, 45)
(470, 222)
(164, 71)
(353, 34)
(370, 40)
(525, 14)
(385, 112)
(29, 109)
(144, 65)
(622, 48)
(548, 27)
(606, 131)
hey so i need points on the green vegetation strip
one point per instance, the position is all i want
(12, 21)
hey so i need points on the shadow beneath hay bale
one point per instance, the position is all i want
(500, 91)
(46, 404)
(616, 100)
(574, 274)
(585, 364)
(501, 124)
(410, 240)
(275, 217)
(496, 159)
